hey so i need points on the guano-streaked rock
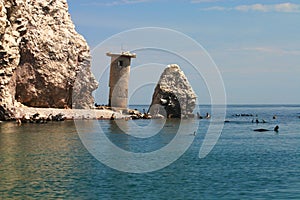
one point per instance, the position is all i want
(44, 62)
(173, 96)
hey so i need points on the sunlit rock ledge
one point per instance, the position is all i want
(68, 114)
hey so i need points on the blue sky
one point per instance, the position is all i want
(255, 44)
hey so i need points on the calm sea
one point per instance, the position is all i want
(49, 161)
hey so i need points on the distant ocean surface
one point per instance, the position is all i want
(49, 161)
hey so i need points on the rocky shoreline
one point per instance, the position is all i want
(42, 115)
(69, 114)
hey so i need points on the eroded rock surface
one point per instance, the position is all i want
(43, 60)
(173, 96)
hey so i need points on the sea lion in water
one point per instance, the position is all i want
(264, 130)
(261, 130)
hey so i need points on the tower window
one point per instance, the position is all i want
(120, 63)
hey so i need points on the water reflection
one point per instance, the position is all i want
(108, 143)
(118, 126)
(36, 157)
(122, 133)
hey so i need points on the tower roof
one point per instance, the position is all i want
(123, 53)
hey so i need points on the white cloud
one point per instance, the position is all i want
(254, 7)
(282, 7)
(287, 7)
(217, 8)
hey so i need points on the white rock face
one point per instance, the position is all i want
(173, 96)
(43, 60)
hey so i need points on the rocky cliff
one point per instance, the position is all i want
(44, 62)
(173, 96)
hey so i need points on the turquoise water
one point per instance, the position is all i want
(48, 161)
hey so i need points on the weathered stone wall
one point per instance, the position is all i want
(173, 96)
(43, 60)
(119, 79)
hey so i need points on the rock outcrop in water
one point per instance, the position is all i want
(173, 96)
(43, 60)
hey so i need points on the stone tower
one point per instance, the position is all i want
(119, 78)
